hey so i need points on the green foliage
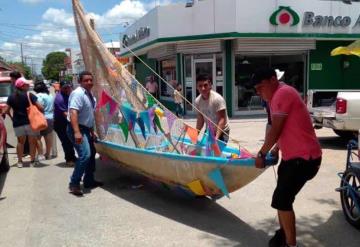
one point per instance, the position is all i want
(68, 78)
(22, 68)
(53, 64)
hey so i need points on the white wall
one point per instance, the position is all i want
(242, 16)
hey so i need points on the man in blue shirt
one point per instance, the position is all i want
(81, 133)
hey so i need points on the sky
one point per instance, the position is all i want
(44, 26)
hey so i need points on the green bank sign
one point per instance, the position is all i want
(286, 16)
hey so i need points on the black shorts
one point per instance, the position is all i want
(292, 175)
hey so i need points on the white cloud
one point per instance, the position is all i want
(59, 16)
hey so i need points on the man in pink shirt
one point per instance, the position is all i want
(292, 133)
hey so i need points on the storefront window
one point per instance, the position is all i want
(168, 72)
(245, 95)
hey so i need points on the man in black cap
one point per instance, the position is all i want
(292, 131)
(60, 121)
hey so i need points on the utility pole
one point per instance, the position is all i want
(22, 54)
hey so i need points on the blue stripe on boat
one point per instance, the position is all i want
(183, 157)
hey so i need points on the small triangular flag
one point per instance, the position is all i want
(141, 124)
(196, 187)
(124, 126)
(158, 124)
(145, 117)
(170, 118)
(192, 133)
(217, 178)
(150, 99)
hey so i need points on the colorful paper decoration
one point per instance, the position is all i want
(150, 99)
(145, 117)
(192, 133)
(217, 178)
(124, 127)
(129, 115)
(158, 124)
(133, 85)
(197, 188)
(106, 99)
(141, 124)
(151, 112)
(244, 154)
(170, 118)
(159, 112)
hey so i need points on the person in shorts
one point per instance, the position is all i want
(47, 102)
(18, 101)
(292, 131)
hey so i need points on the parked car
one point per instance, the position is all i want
(338, 110)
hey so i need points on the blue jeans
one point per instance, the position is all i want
(85, 164)
(179, 111)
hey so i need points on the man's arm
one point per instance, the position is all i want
(272, 136)
(199, 122)
(75, 125)
(221, 115)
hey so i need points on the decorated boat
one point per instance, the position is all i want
(137, 131)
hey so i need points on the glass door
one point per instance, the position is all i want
(203, 67)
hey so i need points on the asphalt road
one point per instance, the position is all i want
(37, 210)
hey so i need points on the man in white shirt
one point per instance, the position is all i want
(213, 106)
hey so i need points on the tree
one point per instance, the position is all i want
(22, 68)
(53, 64)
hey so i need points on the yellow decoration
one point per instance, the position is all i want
(234, 156)
(159, 112)
(352, 49)
(197, 188)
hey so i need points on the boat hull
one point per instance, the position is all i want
(181, 170)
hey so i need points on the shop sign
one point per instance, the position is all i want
(287, 16)
(316, 66)
(140, 34)
(284, 16)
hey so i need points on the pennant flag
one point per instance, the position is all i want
(170, 118)
(106, 99)
(133, 85)
(145, 117)
(197, 188)
(216, 149)
(192, 133)
(221, 145)
(244, 154)
(130, 116)
(124, 126)
(141, 124)
(217, 178)
(159, 112)
(158, 124)
(152, 116)
(150, 99)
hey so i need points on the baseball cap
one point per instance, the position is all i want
(262, 74)
(65, 84)
(19, 83)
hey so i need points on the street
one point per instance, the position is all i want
(37, 210)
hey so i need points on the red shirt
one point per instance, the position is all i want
(297, 139)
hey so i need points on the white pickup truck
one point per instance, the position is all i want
(338, 110)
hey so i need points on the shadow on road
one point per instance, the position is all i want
(200, 213)
(333, 142)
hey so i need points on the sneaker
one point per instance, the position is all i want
(34, 163)
(75, 190)
(278, 239)
(20, 165)
(41, 157)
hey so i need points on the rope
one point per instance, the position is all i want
(187, 101)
